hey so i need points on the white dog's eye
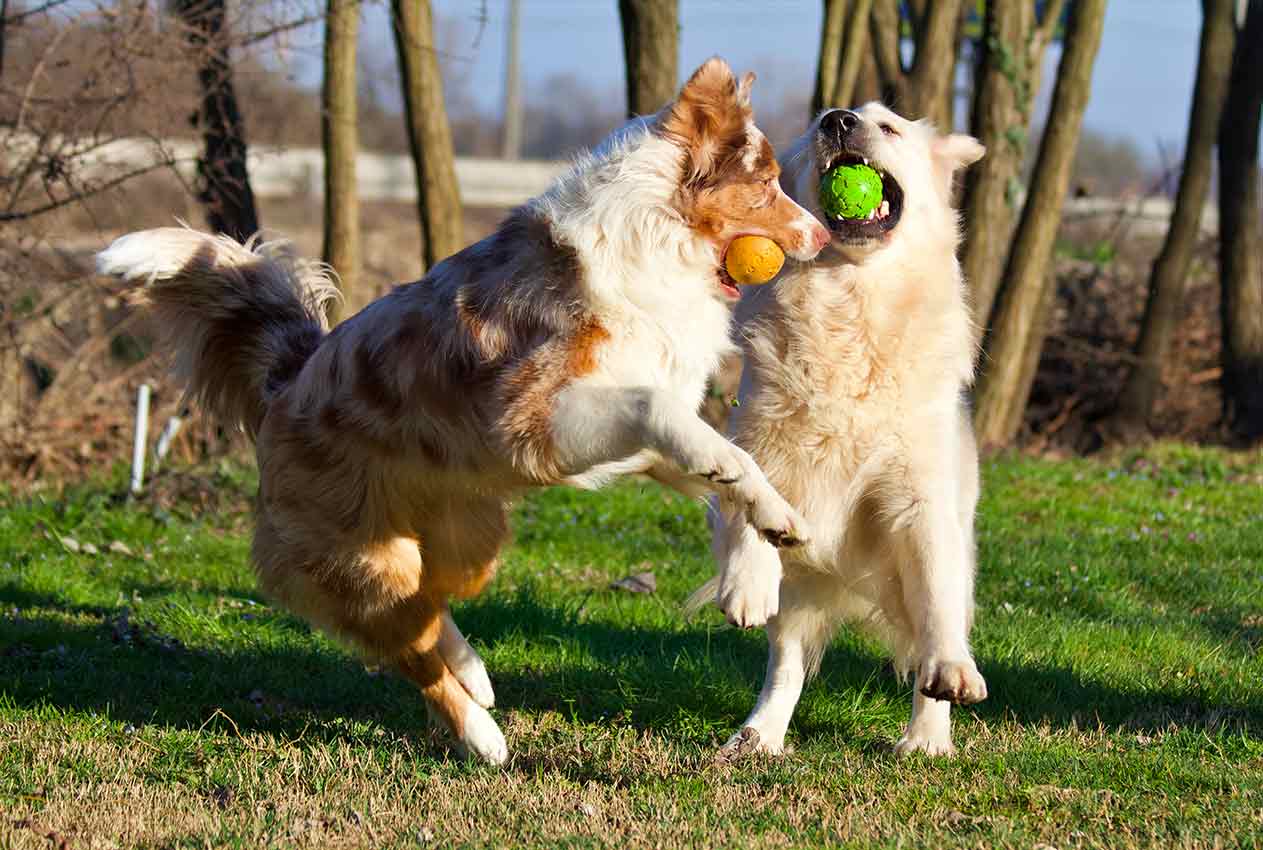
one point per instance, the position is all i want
(888, 130)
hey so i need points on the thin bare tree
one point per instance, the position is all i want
(1241, 243)
(651, 50)
(225, 180)
(429, 134)
(1019, 327)
(1164, 306)
(1010, 55)
(923, 87)
(4, 31)
(339, 127)
(843, 47)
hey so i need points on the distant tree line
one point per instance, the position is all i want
(910, 53)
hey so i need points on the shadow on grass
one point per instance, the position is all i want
(722, 672)
(90, 659)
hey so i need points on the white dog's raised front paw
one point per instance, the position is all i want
(955, 680)
(930, 742)
(750, 597)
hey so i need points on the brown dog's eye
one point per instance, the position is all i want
(888, 130)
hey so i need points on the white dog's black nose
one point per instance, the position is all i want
(839, 123)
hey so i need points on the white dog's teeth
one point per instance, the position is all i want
(865, 159)
(884, 209)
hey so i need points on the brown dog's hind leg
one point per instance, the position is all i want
(473, 728)
(379, 596)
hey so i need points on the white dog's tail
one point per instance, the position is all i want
(702, 597)
(240, 319)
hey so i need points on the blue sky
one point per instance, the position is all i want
(1141, 86)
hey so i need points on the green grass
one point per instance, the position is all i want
(156, 700)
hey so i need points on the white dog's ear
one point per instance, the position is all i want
(957, 151)
(952, 153)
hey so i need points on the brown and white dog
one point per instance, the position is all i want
(571, 346)
(852, 402)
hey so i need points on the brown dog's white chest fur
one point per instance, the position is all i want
(570, 346)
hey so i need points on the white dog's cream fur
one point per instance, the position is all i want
(852, 402)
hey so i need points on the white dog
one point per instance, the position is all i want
(852, 403)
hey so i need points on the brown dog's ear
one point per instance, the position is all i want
(708, 120)
(743, 90)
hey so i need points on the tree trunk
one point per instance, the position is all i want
(843, 47)
(884, 23)
(429, 136)
(339, 128)
(4, 22)
(1009, 62)
(511, 143)
(1166, 282)
(651, 49)
(1017, 332)
(832, 37)
(920, 91)
(1241, 243)
(867, 84)
(225, 182)
(933, 72)
(950, 93)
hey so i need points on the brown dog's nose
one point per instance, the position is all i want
(839, 122)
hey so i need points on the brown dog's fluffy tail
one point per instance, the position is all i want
(240, 319)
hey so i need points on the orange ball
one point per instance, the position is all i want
(752, 260)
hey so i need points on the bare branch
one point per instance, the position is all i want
(19, 17)
(263, 35)
(1047, 27)
(483, 19)
(83, 193)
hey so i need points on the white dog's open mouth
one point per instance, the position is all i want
(881, 220)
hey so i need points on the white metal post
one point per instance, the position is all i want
(138, 442)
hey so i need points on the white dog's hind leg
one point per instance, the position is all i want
(462, 659)
(930, 730)
(764, 730)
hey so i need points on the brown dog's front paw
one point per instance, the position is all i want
(723, 468)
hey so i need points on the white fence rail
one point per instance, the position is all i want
(286, 172)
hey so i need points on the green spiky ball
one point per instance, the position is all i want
(850, 191)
